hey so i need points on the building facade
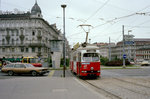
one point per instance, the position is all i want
(28, 34)
(136, 51)
(132, 51)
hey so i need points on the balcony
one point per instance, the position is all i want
(36, 44)
(39, 37)
(22, 45)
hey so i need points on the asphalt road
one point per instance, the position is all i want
(54, 86)
(51, 86)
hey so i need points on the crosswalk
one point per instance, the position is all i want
(51, 73)
(59, 73)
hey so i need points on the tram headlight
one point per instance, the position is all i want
(98, 71)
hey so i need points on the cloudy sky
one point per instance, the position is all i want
(105, 16)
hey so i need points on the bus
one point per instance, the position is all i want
(32, 60)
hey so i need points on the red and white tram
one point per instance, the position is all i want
(85, 60)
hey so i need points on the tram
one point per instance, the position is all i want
(85, 60)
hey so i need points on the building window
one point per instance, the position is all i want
(39, 49)
(33, 49)
(39, 32)
(17, 41)
(13, 49)
(33, 33)
(21, 31)
(32, 40)
(12, 33)
(3, 41)
(22, 49)
(17, 33)
(3, 50)
(27, 49)
(12, 41)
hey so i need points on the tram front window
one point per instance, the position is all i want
(90, 57)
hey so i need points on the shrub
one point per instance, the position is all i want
(103, 60)
(62, 62)
(117, 63)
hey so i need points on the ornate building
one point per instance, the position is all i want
(28, 34)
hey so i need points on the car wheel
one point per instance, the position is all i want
(34, 73)
(10, 73)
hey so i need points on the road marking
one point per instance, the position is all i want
(51, 73)
(59, 90)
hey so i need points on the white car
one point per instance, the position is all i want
(145, 63)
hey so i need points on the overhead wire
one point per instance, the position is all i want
(122, 17)
(97, 11)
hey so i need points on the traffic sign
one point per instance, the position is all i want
(129, 42)
(124, 56)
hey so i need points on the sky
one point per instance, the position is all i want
(106, 17)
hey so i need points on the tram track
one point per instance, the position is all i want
(122, 88)
(132, 83)
(100, 90)
(119, 88)
(133, 87)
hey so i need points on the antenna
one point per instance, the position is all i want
(86, 31)
(35, 1)
(0, 4)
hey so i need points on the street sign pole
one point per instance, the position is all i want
(124, 66)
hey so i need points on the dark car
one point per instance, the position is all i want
(23, 68)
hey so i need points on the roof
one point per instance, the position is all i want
(35, 9)
(142, 39)
(15, 16)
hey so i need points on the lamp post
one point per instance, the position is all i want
(64, 45)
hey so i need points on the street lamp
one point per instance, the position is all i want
(64, 45)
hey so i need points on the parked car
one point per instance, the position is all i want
(145, 63)
(23, 68)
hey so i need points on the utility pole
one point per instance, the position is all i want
(64, 44)
(129, 47)
(87, 31)
(124, 56)
(109, 50)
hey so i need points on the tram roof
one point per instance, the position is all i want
(87, 47)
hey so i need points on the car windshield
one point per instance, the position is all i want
(29, 66)
(90, 57)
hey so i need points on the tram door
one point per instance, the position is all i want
(79, 63)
